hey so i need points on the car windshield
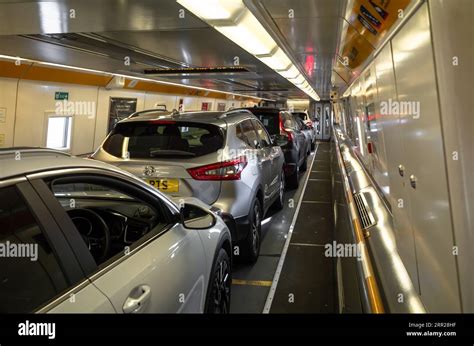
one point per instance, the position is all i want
(300, 115)
(167, 139)
(269, 119)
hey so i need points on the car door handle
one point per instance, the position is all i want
(138, 298)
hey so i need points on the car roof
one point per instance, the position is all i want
(20, 161)
(208, 117)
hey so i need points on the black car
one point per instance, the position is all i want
(286, 132)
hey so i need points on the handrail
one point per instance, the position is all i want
(162, 109)
(366, 273)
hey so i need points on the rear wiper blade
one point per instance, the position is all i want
(161, 152)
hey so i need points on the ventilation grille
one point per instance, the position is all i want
(366, 217)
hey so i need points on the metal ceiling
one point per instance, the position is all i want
(311, 28)
(154, 34)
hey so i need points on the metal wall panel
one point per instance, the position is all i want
(454, 55)
(424, 160)
(395, 149)
(375, 133)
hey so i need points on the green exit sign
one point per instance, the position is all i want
(61, 95)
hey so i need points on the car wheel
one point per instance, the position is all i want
(279, 203)
(218, 297)
(304, 165)
(251, 246)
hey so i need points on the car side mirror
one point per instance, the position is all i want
(279, 140)
(194, 217)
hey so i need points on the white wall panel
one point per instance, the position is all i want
(453, 34)
(7, 108)
(36, 99)
(424, 158)
(152, 99)
(395, 150)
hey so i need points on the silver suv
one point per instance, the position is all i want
(225, 159)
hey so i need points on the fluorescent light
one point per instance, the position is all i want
(235, 21)
(291, 73)
(212, 9)
(277, 61)
(249, 34)
(298, 80)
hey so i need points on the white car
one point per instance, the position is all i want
(78, 235)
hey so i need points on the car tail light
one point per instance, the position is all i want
(284, 132)
(226, 170)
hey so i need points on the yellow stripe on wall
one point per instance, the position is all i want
(30, 71)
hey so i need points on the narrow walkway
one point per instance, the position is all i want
(307, 281)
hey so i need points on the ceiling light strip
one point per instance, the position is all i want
(235, 21)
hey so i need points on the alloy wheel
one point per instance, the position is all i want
(256, 228)
(222, 288)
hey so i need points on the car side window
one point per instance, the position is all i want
(262, 134)
(108, 219)
(26, 258)
(248, 134)
(296, 123)
(300, 123)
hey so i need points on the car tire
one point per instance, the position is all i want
(292, 181)
(250, 248)
(304, 165)
(220, 282)
(280, 201)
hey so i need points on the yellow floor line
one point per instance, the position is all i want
(252, 282)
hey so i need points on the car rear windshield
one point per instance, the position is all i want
(163, 139)
(269, 119)
(300, 115)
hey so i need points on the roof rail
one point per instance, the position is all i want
(160, 108)
(13, 150)
(233, 111)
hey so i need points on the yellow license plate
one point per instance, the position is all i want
(165, 185)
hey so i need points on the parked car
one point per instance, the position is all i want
(225, 159)
(309, 135)
(285, 131)
(310, 124)
(98, 239)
